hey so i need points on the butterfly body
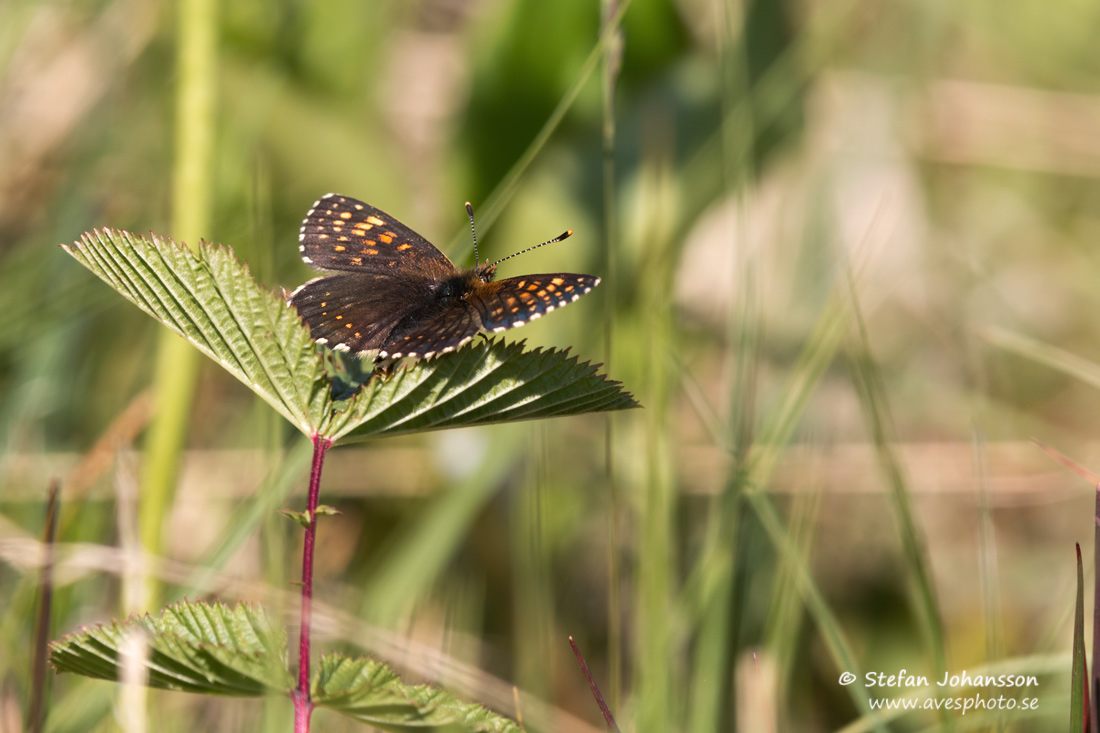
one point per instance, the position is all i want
(394, 294)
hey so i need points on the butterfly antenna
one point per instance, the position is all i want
(470, 213)
(564, 235)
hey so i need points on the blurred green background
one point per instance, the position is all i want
(849, 269)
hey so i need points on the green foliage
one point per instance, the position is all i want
(302, 518)
(214, 649)
(193, 647)
(932, 147)
(371, 692)
(211, 299)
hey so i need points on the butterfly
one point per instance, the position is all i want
(396, 295)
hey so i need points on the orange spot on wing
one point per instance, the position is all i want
(375, 220)
(339, 247)
(557, 281)
(387, 238)
(404, 247)
(345, 215)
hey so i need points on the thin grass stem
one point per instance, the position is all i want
(612, 59)
(36, 715)
(502, 193)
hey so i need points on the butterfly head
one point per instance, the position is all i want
(485, 271)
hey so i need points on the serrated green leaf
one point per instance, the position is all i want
(210, 299)
(369, 691)
(192, 646)
(478, 385)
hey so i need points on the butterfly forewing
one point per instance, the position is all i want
(518, 300)
(341, 233)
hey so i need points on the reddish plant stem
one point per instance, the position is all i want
(607, 716)
(1092, 696)
(303, 705)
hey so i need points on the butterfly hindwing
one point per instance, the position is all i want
(438, 330)
(356, 312)
(517, 300)
(342, 233)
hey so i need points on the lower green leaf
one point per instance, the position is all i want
(191, 646)
(370, 691)
(210, 648)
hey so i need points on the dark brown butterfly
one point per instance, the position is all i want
(396, 295)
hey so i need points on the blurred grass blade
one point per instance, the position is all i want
(761, 462)
(285, 475)
(872, 398)
(176, 366)
(371, 692)
(506, 188)
(35, 716)
(1078, 707)
(422, 549)
(1059, 359)
(194, 647)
